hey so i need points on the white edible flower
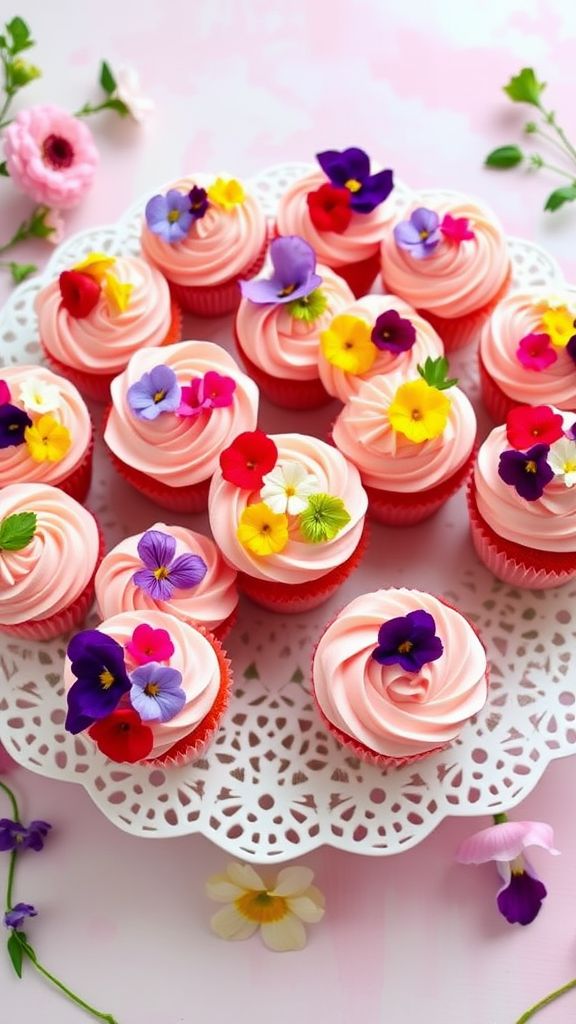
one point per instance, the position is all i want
(288, 487)
(562, 460)
(39, 396)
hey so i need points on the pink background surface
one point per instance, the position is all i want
(239, 86)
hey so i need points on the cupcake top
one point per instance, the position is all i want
(451, 259)
(100, 311)
(203, 230)
(287, 508)
(340, 209)
(374, 335)
(528, 346)
(407, 434)
(400, 672)
(139, 683)
(282, 314)
(45, 427)
(196, 585)
(49, 546)
(174, 409)
(525, 476)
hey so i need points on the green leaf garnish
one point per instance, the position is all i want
(525, 87)
(15, 952)
(20, 35)
(20, 271)
(556, 199)
(107, 80)
(4, 173)
(504, 157)
(17, 531)
(323, 519)
(21, 73)
(118, 106)
(309, 307)
(435, 371)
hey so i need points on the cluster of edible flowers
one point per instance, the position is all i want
(33, 422)
(409, 641)
(82, 286)
(294, 282)
(352, 344)
(288, 505)
(419, 409)
(421, 234)
(557, 330)
(350, 189)
(171, 216)
(530, 467)
(158, 392)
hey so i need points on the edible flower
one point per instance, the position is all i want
(47, 440)
(393, 333)
(456, 229)
(419, 411)
(559, 325)
(262, 531)
(15, 917)
(226, 193)
(323, 518)
(409, 641)
(288, 487)
(117, 294)
(212, 391)
(5, 395)
(571, 349)
(123, 737)
(16, 836)
(527, 472)
(350, 170)
(164, 572)
(310, 307)
(156, 692)
(199, 204)
(156, 392)
(97, 662)
(535, 352)
(293, 277)
(420, 234)
(14, 423)
(248, 459)
(96, 265)
(149, 644)
(39, 395)
(526, 424)
(329, 208)
(169, 216)
(347, 344)
(79, 293)
(562, 460)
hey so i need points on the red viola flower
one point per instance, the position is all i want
(248, 459)
(330, 208)
(526, 425)
(123, 737)
(79, 292)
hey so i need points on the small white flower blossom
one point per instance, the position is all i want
(128, 90)
(39, 396)
(288, 487)
(562, 460)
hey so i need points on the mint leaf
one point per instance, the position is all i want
(16, 531)
(525, 87)
(20, 35)
(504, 156)
(566, 194)
(434, 372)
(15, 952)
(118, 106)
(4, 172)
(20, 271)
(107, 80)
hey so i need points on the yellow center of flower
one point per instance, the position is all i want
(405, 647)
(353, 185)
(416, 414)
(106, 679)
(151, 689)
(173, 216)
(161, 573)
(286, 291)
(13, 426)
(424, 234)
(531, 466)
(262, 907)
(569, 466)
(158, 396)
(289, 491)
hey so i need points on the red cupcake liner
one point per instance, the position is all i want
(301, 597)
(222, 630)
(407, 509)
(219, 299)
(513, 563)
(287, 393)
(77, 483)
(456, 332)
(193, 498)
(498, 404)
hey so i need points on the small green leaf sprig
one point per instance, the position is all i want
(435, 373)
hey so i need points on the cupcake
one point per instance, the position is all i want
(412, 439)
(397, 675)
(173, 412)
(449, 259)
(287, 512)
(45, 431)
(342, 210)
(280, 320)
(528, 353)
(205, 235)
(50, 547)
(146, 687)
(173, 570)
(522, 498)
(96, 314)
(377, 334)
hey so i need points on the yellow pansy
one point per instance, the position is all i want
(47, 440)
(261, 530)
(117, 293)
(95, 264)
(559, 325)
(226, 193)
(418, 411)
(347, 344)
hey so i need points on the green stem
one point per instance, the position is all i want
(550, 119)
(9, 93)
(557, 170)
(12, 799)
(546, 1002)
(60, 985)
(500, 819)
(549, 138)
(88, 109)
(10, 881)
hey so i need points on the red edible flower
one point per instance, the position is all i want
(527, 424)
(250, 456)
(123, 737)
(330, 208)
(79, 292)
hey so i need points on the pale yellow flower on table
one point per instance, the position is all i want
(278, 909)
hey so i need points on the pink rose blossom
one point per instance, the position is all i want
(535, 352)
(128, 90)
(50, 155)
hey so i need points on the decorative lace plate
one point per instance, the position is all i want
(273, 785)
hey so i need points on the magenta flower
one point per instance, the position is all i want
(148, 644)
(212, 391)
(4, 392)
(156, 392)
(156, 693)
(420, 234)
(520, 898)
(350, 169)
(393, 333)
(294, 275)
(163, 572)
(456, 229)
(535, 352)
(169, 216)
(409, 641)
(528, 472)
(15, 917)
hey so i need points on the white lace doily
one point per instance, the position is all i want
(273, 785)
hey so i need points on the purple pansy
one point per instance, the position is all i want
(156, 692)
(212, 391)
(156, 392)
(350, 169)
(101, 678)
(17, 915)
(420, 234)
(198, 199)
(571, 348)
(169, 216)
(409, 641)
(520, 899)
(528, 472)
(15, 836)
(393, 333)
(163, 573)
(13, 423)
(571, 432)
(293, 277)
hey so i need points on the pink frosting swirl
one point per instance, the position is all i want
(358, 242)
(219, 246)
(179, 451)
(194, 656)
(393, 712)
(547, 524)
(519, 314)
(207, 604)
(48, 574)
(453, 280)
(281, 345)
(300, 561)
(342, 385)
(388, 460)
(16, 465)
(103, 341)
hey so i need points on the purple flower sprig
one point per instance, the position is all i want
(163, 571)
(393, 333)
(171, 216)
(293, 276)
(527, 472)
(350, 169)
(409, 641)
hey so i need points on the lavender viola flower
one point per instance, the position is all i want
(420, 234)
(101, 678)
(528, 472)
(163, 572)
(169, 216)
(15, 917)
(393, 333)
(409, 641)
(156, 392)
(15, 836)
(13, 423)
(156, 692)
(350, 169)
(199, 203)
(293, 277)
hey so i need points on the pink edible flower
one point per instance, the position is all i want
(456, 228)
(148, 644)
(535, 352)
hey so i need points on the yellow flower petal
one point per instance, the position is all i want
(306, 909)
(347, 344)
(284, 935)
(245, 877)
(230, 925)
(95, 264)
(222, 890)
(117, 293)
(226, 193)
(293, 881)
(419, 411)
(559, 325)
(47, 440)
(262, 531)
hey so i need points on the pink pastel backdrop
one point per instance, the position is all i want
(240, 84)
